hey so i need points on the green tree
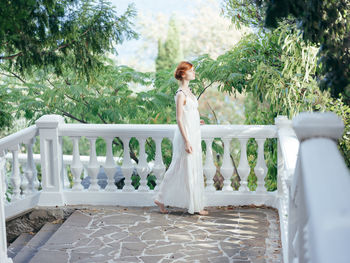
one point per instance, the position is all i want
(56, 37)
(325, 23)
(169, 52)
(277, 72)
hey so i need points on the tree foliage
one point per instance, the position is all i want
(248, 13)
(277, 72)
(56, 39)
(325, 23)
(69, 34)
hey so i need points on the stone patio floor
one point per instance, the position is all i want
(143, 234)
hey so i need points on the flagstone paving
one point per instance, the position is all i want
(143, 234)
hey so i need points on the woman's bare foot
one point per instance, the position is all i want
(203, 212)
(161, 207)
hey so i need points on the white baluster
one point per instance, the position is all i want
(142, 167)
(159, 167)
(243, 167)
(110, 166)
(127, 167)
(280, 168)
(15, 176)
(209, 168)
(30, 171)
(24, 181)
(64, 166)
(93, 166)
(66, 181)
(76, 166)
(227, 168)
(260, 169)
(3, 179)
(85, 171)
(3, 242)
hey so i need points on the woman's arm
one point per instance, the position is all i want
(179, 112)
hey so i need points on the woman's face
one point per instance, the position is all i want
(190, 74)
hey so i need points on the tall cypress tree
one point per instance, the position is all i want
(169, 52)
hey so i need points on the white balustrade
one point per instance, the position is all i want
(77, 166)
(159, 167)
(298, 224)
(110, 166)
(209, 169)
(227, 168)
(127, 166)
(142, 168)
(243, 167)
(260, 168)
(93, 166)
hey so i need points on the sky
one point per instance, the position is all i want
(166, 7)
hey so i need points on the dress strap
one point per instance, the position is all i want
(182, 91)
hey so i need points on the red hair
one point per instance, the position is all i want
(181, 69)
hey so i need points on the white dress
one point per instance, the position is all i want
(183, 182)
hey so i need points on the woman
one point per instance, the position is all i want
(183, 182)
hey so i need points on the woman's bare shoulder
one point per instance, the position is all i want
(181, 96)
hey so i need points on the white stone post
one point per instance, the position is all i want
(50, 151)
(3, 242)
(319, 210)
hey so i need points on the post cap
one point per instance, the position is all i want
(283, 121)
(49, 121)
(318, 124)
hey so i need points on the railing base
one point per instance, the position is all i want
(21, 206)
(52, 199)
(135, 198)
(219, 198)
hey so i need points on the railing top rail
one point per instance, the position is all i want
(18, 137)
(114, 130)
(239, 131)
(165, 130)
(289, 143)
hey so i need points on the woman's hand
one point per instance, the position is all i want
(202, 121)
(188, 147)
